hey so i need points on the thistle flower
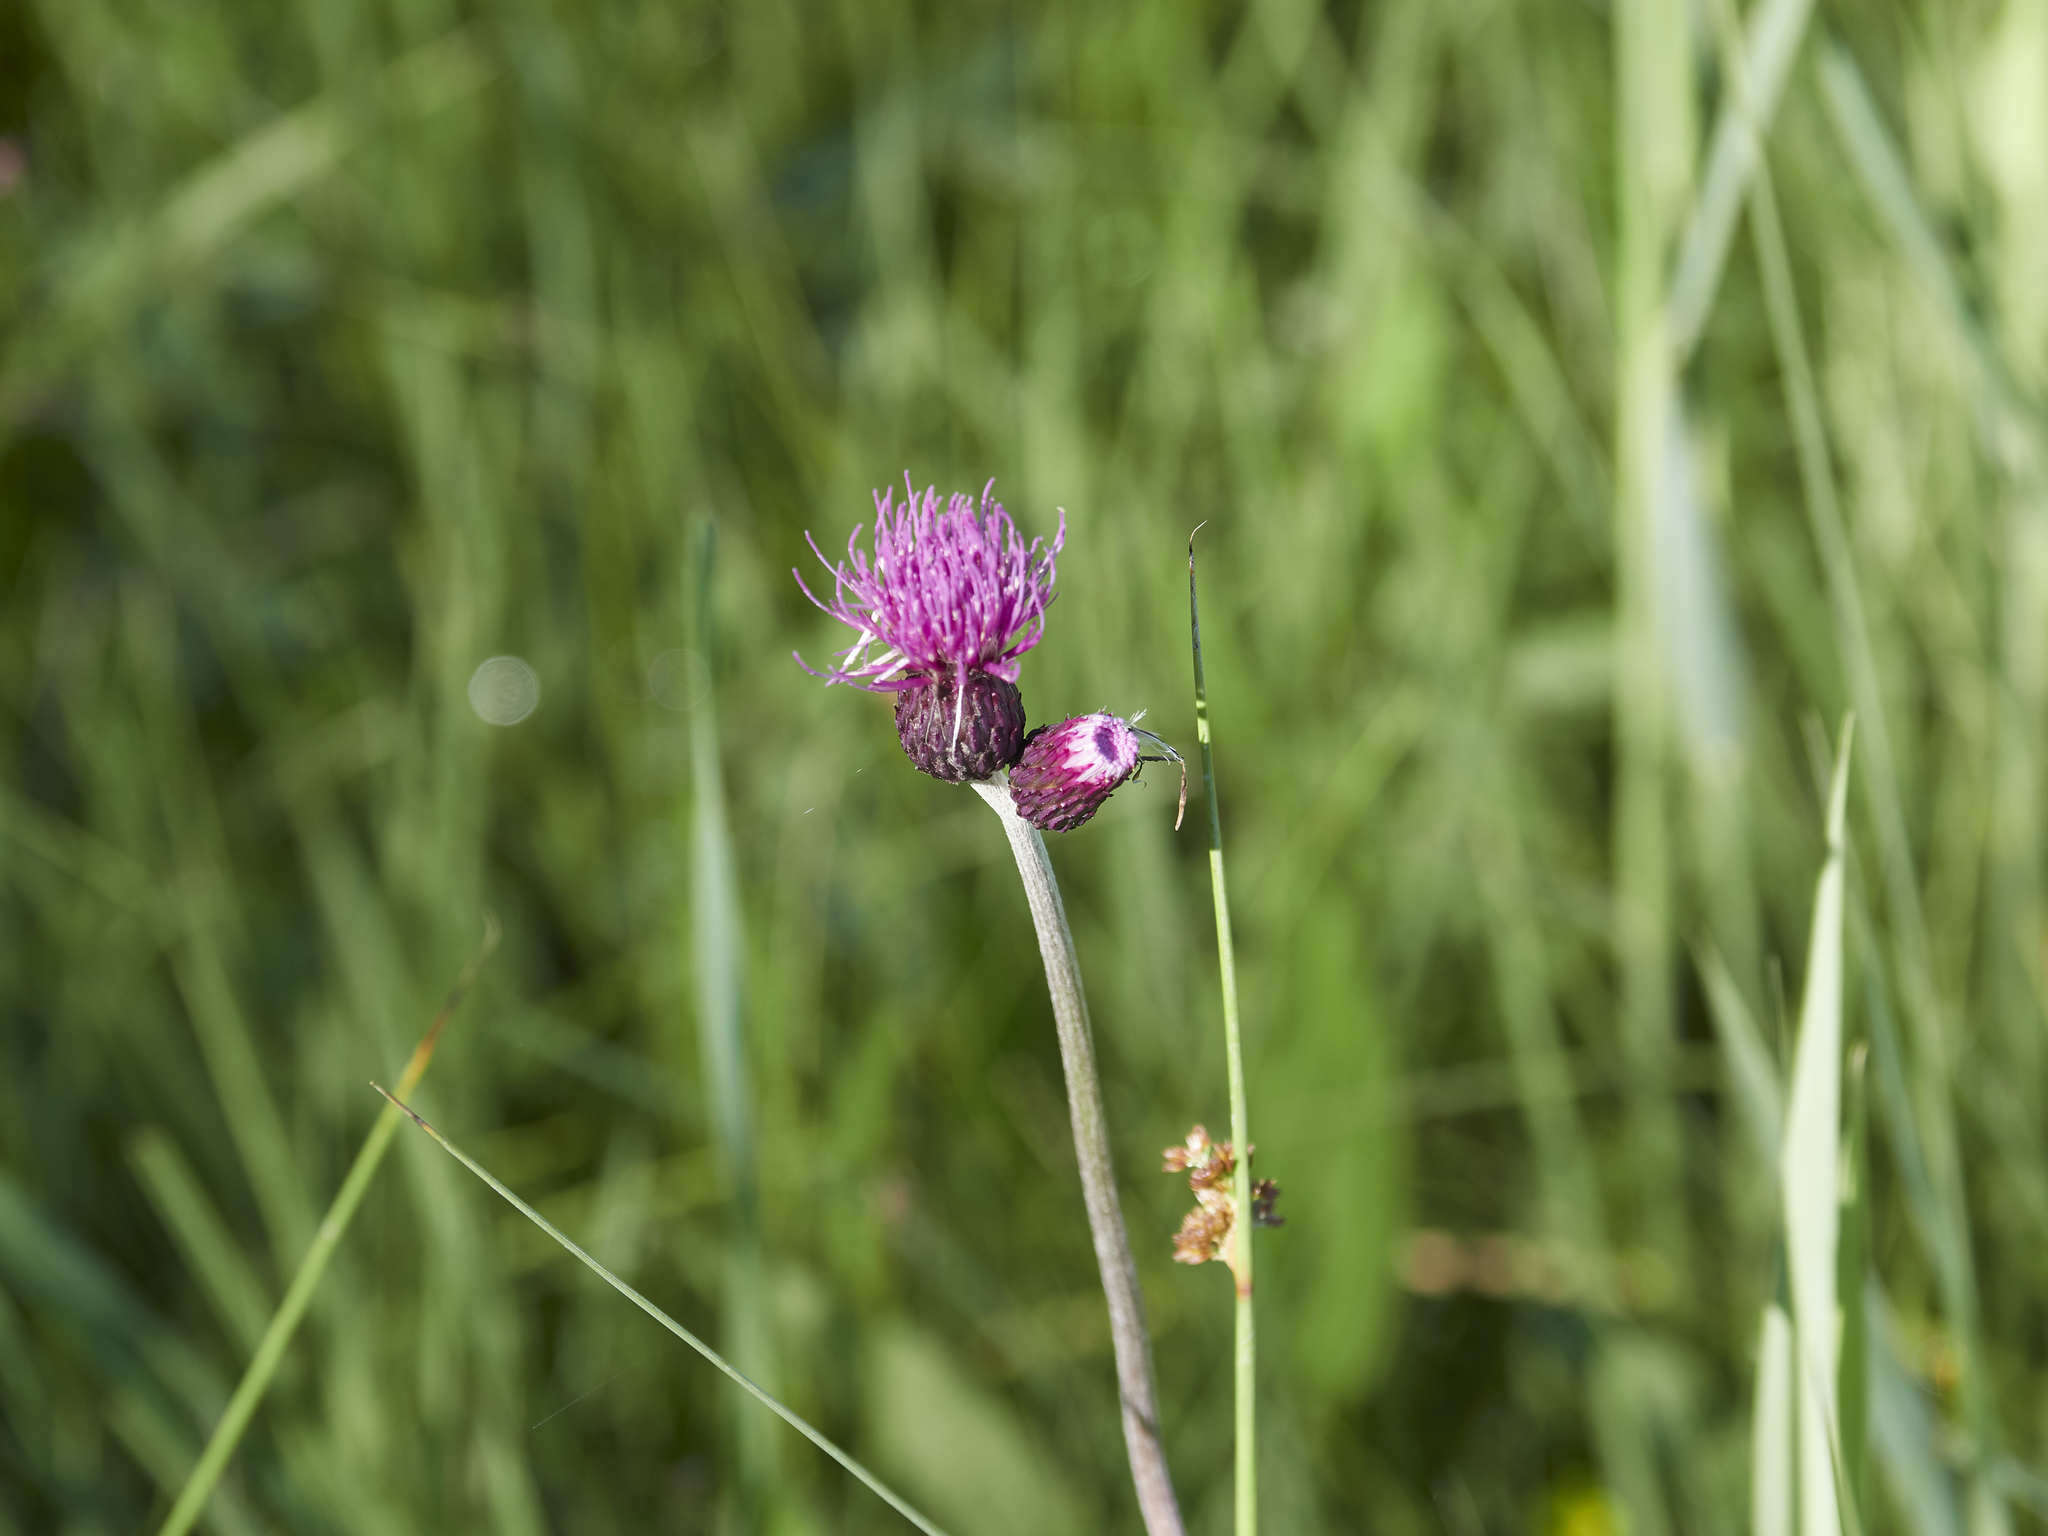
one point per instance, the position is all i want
(1210, 1167)
(948, 602)
(1066, 771)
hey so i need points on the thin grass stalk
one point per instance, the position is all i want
(227, 1434)
(788, 1415)
(1135, 1389)
(1653, 154)
(1247, 1479)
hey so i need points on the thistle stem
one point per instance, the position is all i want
(1098, 1178)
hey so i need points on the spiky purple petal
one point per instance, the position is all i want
(946, 591)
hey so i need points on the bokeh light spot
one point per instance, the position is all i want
(504, 690)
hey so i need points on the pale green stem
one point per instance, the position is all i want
(1098, 1178)
(1247, 1481)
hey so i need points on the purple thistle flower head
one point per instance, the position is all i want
(943, 609)
(1067, 770)
(947, 592)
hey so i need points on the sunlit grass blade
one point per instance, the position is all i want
(1852, 1374)
(1857, 125)
(1932, 1102)
(213, 1459)
(774, 1405)
(1771, 1436)
(1246, 1356)
(1809, 1177)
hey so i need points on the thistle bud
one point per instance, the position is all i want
(1068, 770)
(960, 730)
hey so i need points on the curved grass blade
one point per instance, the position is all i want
(213, 1459)
(788, 1415)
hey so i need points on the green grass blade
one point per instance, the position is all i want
(1852, 1258)
(1887, 184)
(788, 1415)
(1769, 44)
(717, 944)
(1809, 1178)
(161, 1442)
(48, 1271)
(1752, 1073)
(1653, 135)
(1882, 172)
(230, 1044)
(718, 956)
(1771, 1438)
(202, 1235)
(1246, 1354)
(213, 1459)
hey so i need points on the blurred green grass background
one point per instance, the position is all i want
(347, 346)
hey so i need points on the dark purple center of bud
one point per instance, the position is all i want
(957, 734)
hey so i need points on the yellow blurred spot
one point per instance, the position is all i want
(1583, 1512)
